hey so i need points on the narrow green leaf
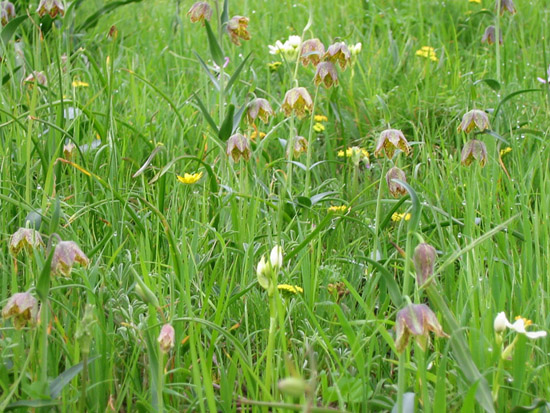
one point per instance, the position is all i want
(225, 13)
(43, 283)
(492, 83)
(537, 404)
(237, 73)
(35, 404)
(65, 378)
(56, 215)
(208, 72)
(207, 115)
(391, 284)
(510, 96)
(215, 47)
(416, 206)
(237, 118)
(227, 125)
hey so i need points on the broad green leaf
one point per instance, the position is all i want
(215, 47)
(9, 29)
(65, 378)
(227, 125)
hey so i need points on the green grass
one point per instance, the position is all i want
(165, 252)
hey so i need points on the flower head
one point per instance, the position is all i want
(276, 257)
(338, 209)
(238, 146)
(428, 52)
(7, 12)
(326, 74)
(64, 257)
(506, 5)
(474, 150)
(297, 100)
(417, 320)
(355, 49)
(395, 188)
(38, 77)
(52, 7)
(300, 146)
(289, 49)
(312, 51)
(389, 141)
(79, 83)
(489, 36)
(189, 179)
(23, 307)
(289, 290)
(474, 118)
(199, 12)
(519, 326)
(338, 53)
(396, 216)
(166, 338)
(501, 323)
(274, 66)
(505, 151)
(318, 127)
(25, 238)
(259, 108)
(424, 261)
(237, 29)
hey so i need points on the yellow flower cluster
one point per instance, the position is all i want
(505, 151)
(350, 152)
(273, 66)
(396, 216)
(190, 178)
(79, 83)
(290, 289)
(427, 52)
(338, 209)
(318, 126)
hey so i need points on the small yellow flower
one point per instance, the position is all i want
(338, 209)
(79, 83)
(320, 118)
(475, 1)
(190, 178)
(505, 151)
(255, 134)
(288, 289)
(273, 66)
(396, 216)
(427, 52)
(318, 127)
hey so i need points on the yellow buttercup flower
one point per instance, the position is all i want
(505, 151)
(320, 118)
(396, 216)
(273, 66)
(341, 209)
(288, 289)
(318, 127)
(475, 1)
(79, 83)
(427, 52)
(190, 178)
(255, 134)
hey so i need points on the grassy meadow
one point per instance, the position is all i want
(194, 217)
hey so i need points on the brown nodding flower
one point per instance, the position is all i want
(311, 52)
(326, 74)
(238, 146)
(25, 238)
(166, 338)
(199, 12)
(396, 189)
(424, 261)
(389, 141)
(474, 150)
(65, 255)
(472, 119)
(297, 100)
(237, 29)
(338, 53)
(506, 5)
(39, 77)
(69, 150)
(417, 320)
(489, 36)
(7, 12)
(300, 146)
(23, 307)
(259, 108)
(51, 7)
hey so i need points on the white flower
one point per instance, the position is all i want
(355, 49)
(276, 257)
(294, 41)
(289, 48)
(518, 326)
(277, 48)
(500, 323)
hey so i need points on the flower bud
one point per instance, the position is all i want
(474, 118)
(262, 272)
(312, 51)
(424, 261)
(338, 53)
(355, 49)
(293, 386)
(474, 150)
(166, 338)
(501, 323)
(145, 293)
(237, 29)
(65, 255)
(51, 7)
(297, 100)
(25, 238)
(326, 74)
(199, 12)
(395, 188)
(259, 108)
(23, 307)
(389, 141)
(489, 36)
(276, 258)
(238, 146)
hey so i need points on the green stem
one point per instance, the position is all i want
(310, 144)
(497, 38)
(270, 344)
(401, 381)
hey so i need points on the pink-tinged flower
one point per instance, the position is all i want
(167, 338)
(396, 189)
(424, 261)
(326, 74)
(259, 108)
(312, 51)
(39, 77)
(297, 100)
(416, 320)
(51, 7)
(237, 29)
(7, 12)
(338, 53)
(506, 5)
(25, 238)
(23, 307)
(489, 36)
(199, 12)
(238, 146)
(300, 146)
(389, 141)
(474, 118)
(66, 254)
(547, 81)
(474, 150)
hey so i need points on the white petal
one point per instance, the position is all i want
(518, 326)
(535, 334)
